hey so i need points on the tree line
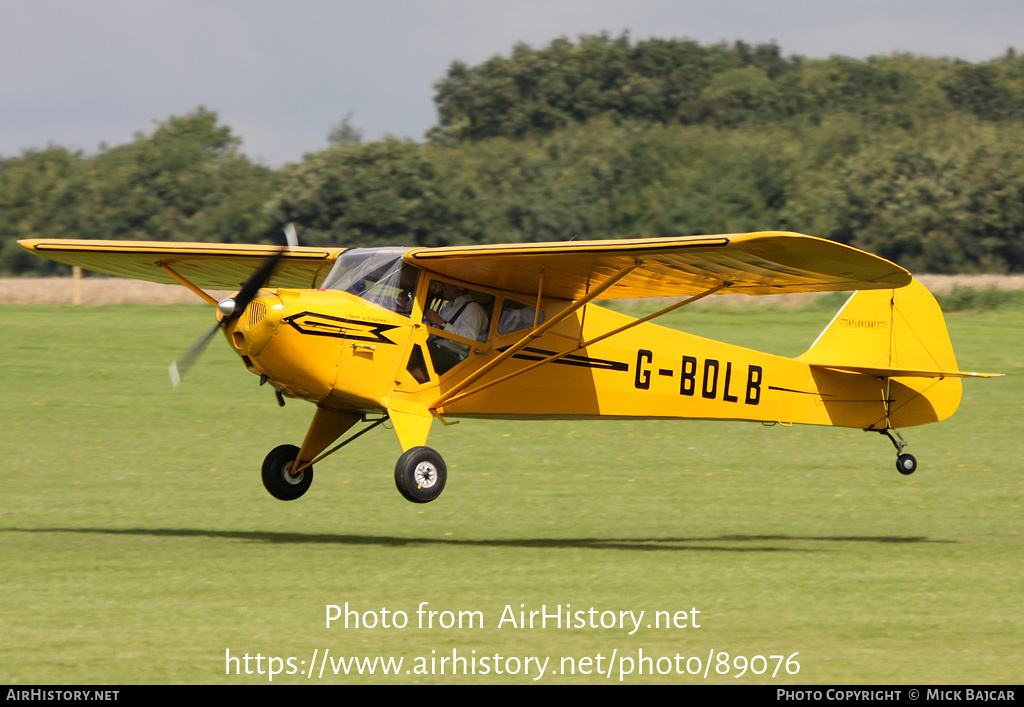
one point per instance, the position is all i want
(917, 159)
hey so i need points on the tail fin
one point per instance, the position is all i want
(895, 334)
(887, 330)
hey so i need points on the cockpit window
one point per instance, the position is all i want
(378, 275)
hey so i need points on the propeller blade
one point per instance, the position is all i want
(179, 367)
(291, 236)
(257, 280)
(231, 309)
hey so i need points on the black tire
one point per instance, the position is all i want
(420, 475)
(906, 464)
(276, 479)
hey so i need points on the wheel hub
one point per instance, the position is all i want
(286, 474)
(425, 475)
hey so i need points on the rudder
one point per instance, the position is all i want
(900, 336)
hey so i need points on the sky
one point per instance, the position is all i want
(281, 74)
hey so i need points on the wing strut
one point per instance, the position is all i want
(167, 269)
(457, 395)
(534, 333)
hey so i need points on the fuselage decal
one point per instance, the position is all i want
(711, 379)
(801, 392)
(325, 325)
(570, 360)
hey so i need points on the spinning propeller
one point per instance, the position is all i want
(232, 307)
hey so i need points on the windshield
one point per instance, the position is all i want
(378, 275)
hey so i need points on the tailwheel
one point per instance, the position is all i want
(277, 474)
(420, 475)
(906, 464)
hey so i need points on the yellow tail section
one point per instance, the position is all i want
(899, 336)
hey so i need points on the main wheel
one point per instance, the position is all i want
(420, 475)
(277, 477)
(906, 464)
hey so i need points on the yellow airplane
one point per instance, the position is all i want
(512, 331)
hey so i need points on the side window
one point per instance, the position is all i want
(515, 316)
(453, 310)
(417, 365)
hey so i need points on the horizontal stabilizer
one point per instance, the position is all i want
(909, 372)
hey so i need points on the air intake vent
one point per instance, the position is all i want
(255, 313)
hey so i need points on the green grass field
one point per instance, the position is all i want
(139, 546)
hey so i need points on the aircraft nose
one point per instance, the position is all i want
(226, 307)
(251, 331)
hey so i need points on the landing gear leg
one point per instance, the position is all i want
(906, 464)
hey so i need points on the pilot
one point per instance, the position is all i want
(462, 316)
(407, 280)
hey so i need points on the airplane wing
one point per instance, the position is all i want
(752, 263)
(205, 265)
